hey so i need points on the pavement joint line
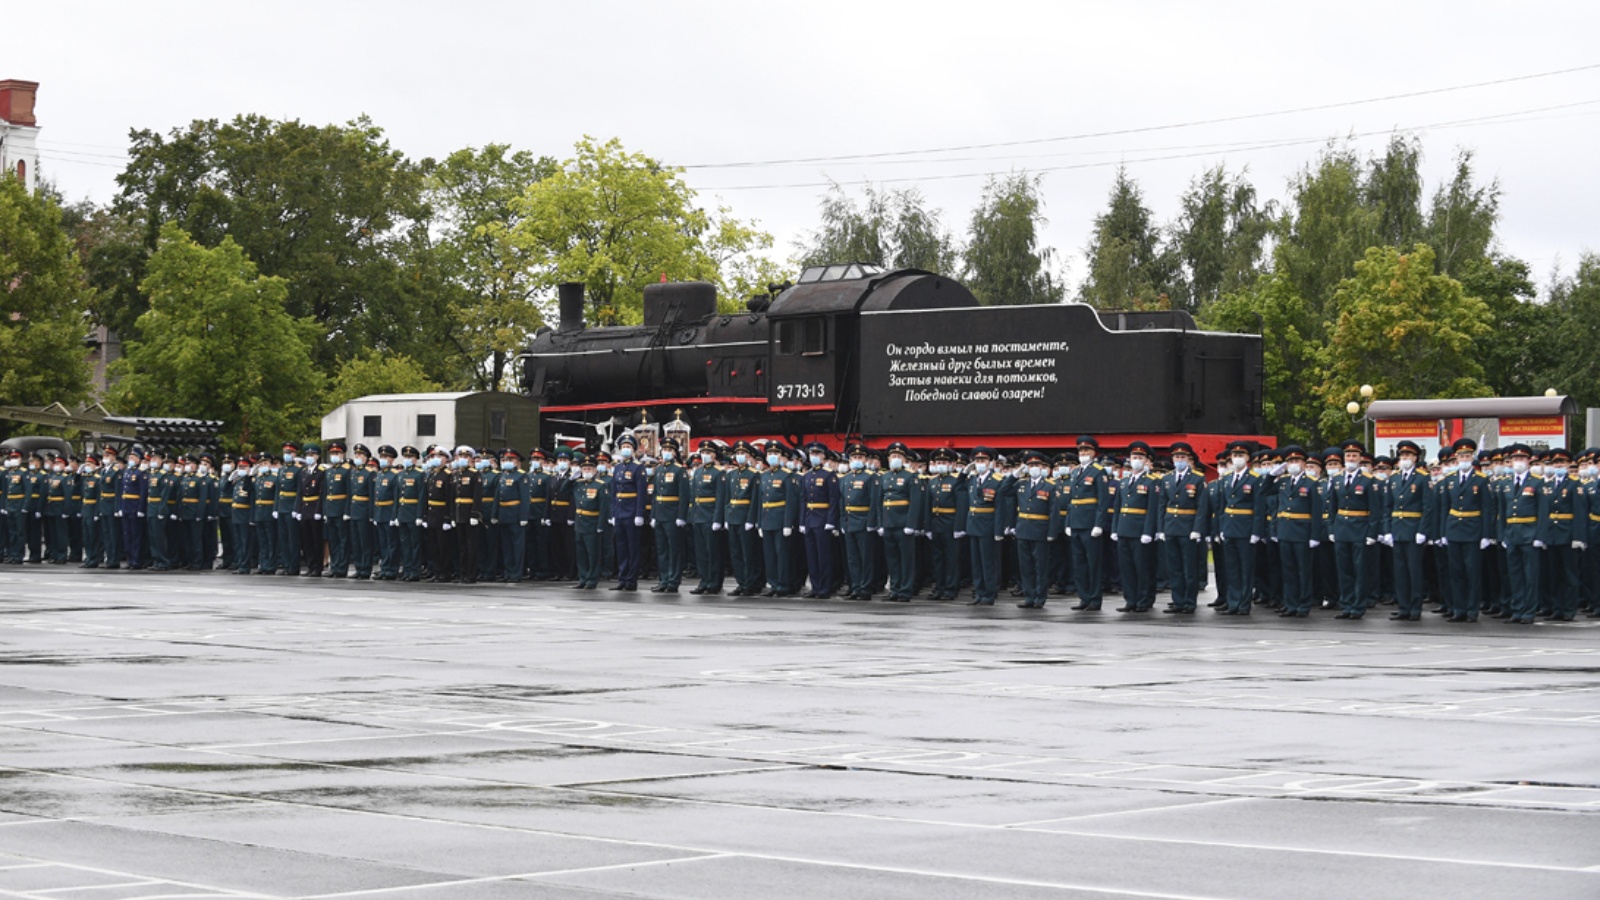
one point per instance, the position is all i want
(211, 890)
(142, 882)
(1128, 812)
(519, 877)
(675, 776)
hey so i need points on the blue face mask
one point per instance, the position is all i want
(816, 459)
(772, 459)
(483, 465)
(626, 453)
(562, 466)
(857, 465)
(667, 455)
(507, 466)
(896, 463)
(741, 458)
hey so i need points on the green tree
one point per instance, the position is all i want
(43, 301)
(1219, 239)
(217, 343)
(1513, 352)
(1571, 364)
(492, 312)
(618, 221)
(1462, 219)
(892, 228)
(1291, 349)
(1004, 263)
(1393, 191)
(377, 373)
(1126, 267)
(330, 209)
(1326, 228)
(1405, 330)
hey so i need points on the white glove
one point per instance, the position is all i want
(317, 516)
(545, 522)
(1051, 538)
(1113, 536)
(999, 537)
(681, 523)
(347, 518)
(911, 531)
(1506, 544)
(1010, 531)
(960, 534)
(1161, 536)
(297, 516)
(449, 525)
(831, 528)
(1275, 539)
(1538, 545)
(1371, 541)
(1069, 532)
(1444, 542)
(523, 523)
(760, 532)
(1387, 540)
(1195, 536)
(274, 514)
(1315, 544)
(472, 521)
(716, 526)
(394, 523)
(880, 532)
(1255, 538)
(1332, 539)
(1579, 545)
(423, 523)
(638, 521)
(1096, 531)
(803, 529)
(1422, 539)
(748, 526)
(1145, 538)
(788, 532)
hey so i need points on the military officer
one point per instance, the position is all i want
(858, 520)
(356, 524)
(740, 517)
(512, 511)
(1519, 521)
(1029, 520)
(335, 509)
(1296, 501)
(947, 516)
(240, 486)
(286, 511)
(193, 492)
(90, 479)
(705, 507)
(563, 555)
(819, 519)
(628, 489)
(310, 520)
(900, 501)
(386, 514)
(58, 492)
(1412, 519)
(264, 518)
(536, 537)
(411, 511)
(1354, 512)
(462, 521)
(1242, 524)
(1183, 516)
(1562, 507)
(1133, 528)
(1465, 512)
(1088, 499)
(671, 511)
(591, 501)
(157, 500)
(778, 496)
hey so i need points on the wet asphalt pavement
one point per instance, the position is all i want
(207, 735)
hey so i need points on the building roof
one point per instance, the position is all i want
(1473, 408)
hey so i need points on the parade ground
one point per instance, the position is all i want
(210, 735)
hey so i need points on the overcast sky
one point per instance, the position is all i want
(705, 83)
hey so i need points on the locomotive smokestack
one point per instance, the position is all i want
(570, 295)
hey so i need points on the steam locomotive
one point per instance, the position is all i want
(855, 351)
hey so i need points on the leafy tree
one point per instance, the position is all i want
(1513, 352)
(43, 299)
(618, 221)
(1571, 364)
(1126, 267)
(1462, 219)
(473, 194)
(1393, 191)
(217, 343)
(1219, 238)
(1004, 263)
(892, 228)
(377, 373)
(1291, 349)
(1327, 227)
(1406, 331)
(326, 208)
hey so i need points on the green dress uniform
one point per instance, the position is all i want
(241, 511)
(1182, 534)
(900, 502)
(740, 518)
(386, 522)
(858, 519)
(158, 503)
(264, 522)
(513, 515)
(1518, 530)
(591, 500)
(778, 499)
(669, 514)
(360, 537)
(412, 514)
(337, 516)
(947, 515)
(193, 496)
(89, 486)
(286, 511)
(1562, 506)
(706, 511)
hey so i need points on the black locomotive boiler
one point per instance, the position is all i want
(857, 351)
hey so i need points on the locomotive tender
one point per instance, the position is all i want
(856, 351)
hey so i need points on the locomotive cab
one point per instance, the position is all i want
(813, 342)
